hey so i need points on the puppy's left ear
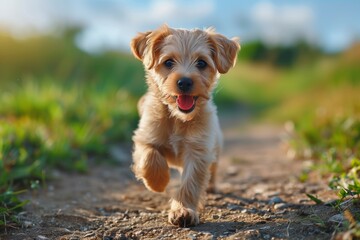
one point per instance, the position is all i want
(225, 51)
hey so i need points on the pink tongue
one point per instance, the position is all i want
(185, 102)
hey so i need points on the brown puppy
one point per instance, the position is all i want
(179, 125)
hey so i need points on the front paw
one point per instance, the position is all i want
(152, 168)
(183, 217)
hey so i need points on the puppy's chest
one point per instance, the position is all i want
(183, 139)
(176, 143)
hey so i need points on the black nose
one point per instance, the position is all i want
(185, 84)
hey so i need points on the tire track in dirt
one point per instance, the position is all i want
(259, 197)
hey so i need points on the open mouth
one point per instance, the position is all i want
(186, 103)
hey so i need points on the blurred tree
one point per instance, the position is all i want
(280, 56)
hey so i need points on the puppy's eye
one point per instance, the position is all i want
(201, 64)
(169, 63)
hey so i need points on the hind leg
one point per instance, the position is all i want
(211, 187)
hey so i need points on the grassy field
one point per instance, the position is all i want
(320, 101)
(61, 108)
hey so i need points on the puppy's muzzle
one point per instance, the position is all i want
(185, 101)
(185, 84)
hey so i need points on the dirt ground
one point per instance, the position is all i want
(259, 197)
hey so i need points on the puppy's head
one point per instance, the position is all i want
(184, 65)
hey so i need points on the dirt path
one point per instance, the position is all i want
(259, 197)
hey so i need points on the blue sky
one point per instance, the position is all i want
(110, 24)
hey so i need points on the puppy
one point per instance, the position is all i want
(178, 124)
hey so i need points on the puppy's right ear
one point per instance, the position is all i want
(138, 45)
(145, 46)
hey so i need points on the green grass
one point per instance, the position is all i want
(63, 122)
(324, 106)
(60, 108)
(327, 123)
(321, 98)
(10, 204)
(45, 124)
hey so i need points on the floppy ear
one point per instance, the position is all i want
(145, 46)
(224, 50)
(138, 45)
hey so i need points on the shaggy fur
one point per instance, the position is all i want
(169, 136)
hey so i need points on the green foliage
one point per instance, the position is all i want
(45, 125)
(324, 105)
(331, 140)
(10, 204)
(57, 59)
(280, 56)
(348, 183)
(60, 107)
(315, 199)
(336, 145)
(50, 124)
(20, 154)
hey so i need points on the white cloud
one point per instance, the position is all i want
(117, 31)
(176, 11)
(282, 24)
(23, 17)
(106, 24)
(112, 23)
